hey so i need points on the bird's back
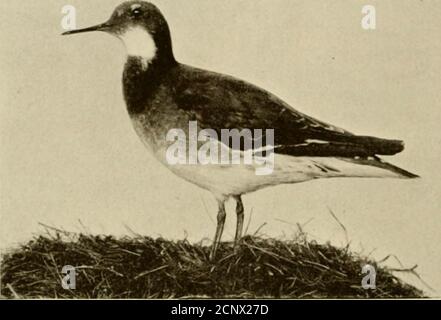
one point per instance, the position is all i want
(219, 102)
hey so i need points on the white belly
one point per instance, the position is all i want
(237, 179)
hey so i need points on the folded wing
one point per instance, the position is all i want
(222, 102)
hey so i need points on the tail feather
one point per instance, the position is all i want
(379, 146)
(378, 163)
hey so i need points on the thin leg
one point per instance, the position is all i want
(219, 230)
(240, 218)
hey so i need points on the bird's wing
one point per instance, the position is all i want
(219, 102)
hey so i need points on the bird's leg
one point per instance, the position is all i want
(220, 228)
(240, 217)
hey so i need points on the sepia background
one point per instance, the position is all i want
(70, 158)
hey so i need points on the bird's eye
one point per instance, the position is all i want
(136, 12)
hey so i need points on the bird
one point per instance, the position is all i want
(162, 94)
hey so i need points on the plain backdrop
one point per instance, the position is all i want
(70, 158)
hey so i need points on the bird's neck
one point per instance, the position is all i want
(150, 58)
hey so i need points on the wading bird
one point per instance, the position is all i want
(162, 94)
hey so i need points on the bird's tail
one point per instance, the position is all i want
(379, 146)
(379, 163)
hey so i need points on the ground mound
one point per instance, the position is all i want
(141, 267)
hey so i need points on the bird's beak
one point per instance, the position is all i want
(101, 27)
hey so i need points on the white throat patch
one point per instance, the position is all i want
(139, 43)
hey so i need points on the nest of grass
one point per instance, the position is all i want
(141, 267)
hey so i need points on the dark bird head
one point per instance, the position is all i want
(141, 27)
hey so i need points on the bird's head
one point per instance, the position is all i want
(141, 27)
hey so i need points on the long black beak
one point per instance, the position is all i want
(101, 27)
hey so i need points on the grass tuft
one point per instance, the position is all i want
(142, 267)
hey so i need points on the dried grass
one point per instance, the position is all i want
(141, 267)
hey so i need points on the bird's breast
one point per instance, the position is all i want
(152, 134)
(154, 125)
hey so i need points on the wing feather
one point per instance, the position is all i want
(222, 102)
